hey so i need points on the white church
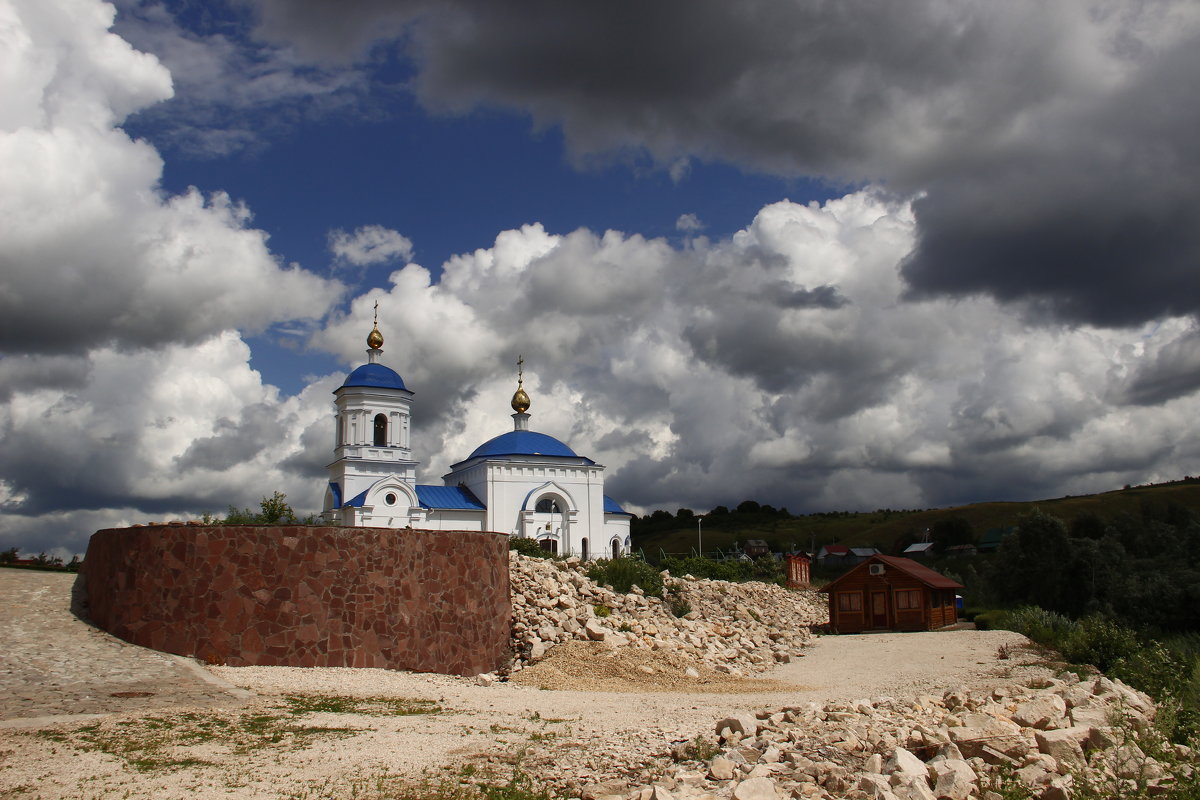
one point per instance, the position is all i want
(522, 482)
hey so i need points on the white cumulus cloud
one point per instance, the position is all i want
(369, 245)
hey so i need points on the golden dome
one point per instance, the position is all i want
(374, 338)
(520, 401)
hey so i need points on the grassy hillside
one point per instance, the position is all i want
(886, 529)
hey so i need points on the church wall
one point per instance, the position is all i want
(305, 596)
(444, 519)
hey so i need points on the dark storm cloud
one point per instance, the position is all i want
(1174, 372)
(1052, 144)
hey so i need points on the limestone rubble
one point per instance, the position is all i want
(1045, 735)
(734, 628)
(958, 746)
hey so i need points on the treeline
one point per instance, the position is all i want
(748, 513)
(1142, 569)
(12, 558)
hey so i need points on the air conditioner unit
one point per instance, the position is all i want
(876, 569)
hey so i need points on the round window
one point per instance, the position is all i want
(390, 499)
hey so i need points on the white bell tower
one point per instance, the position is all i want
(373, 475)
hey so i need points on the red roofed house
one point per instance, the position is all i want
(891, 593)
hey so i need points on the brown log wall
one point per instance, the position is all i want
(303, 596)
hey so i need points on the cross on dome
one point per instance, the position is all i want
(520, 400)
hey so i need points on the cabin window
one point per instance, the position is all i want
(380, 430)
(908, 599)
(850, 601)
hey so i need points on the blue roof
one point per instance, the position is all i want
(358, 500)
(448, 497)
(375, 376)
(523, 443)
(611, 507)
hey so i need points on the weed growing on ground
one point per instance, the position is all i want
(698, 749)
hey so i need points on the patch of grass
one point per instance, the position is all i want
(469, 785)
(299, 705)
(162, 741)
(602, 611)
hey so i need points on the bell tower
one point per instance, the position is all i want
(372, 453)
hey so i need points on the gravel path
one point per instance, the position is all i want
(212, 741)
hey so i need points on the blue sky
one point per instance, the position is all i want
(451, 182)
(824, 257)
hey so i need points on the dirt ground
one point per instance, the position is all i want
(585, 708)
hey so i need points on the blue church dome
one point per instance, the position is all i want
(375, 376)
(523, 443)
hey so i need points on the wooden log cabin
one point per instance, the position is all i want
(889, 593)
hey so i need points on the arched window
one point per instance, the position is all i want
(380, 430)
(547, 506)
(616, 548)
(584, 548)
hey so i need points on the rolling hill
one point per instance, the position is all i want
(889, 530)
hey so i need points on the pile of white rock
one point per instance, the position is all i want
(1047, 738)
(736, 628)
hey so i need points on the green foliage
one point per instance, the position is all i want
(624, 573)
(9, 556)
(951, 531)
(1099, 642)
(274, 510)
(1171, 675)
(527, 547)
(602, 611)
(679, 606)
(764, 568)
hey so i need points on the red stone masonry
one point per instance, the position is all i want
(305, 596)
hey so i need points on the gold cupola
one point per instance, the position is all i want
(520, 400)
(375, 338)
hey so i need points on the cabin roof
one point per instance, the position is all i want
(927, 576)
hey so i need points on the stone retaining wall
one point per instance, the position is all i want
(304, 596)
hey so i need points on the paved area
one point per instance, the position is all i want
(53, 664)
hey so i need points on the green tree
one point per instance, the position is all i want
(1029, 564)
(276, 509)
(951, 531)
(9, 556)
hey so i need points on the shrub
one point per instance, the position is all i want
(624, 573)
(680, 607)
(1044, 627)
(602, 611)
(1099, 642)
(527, 547)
